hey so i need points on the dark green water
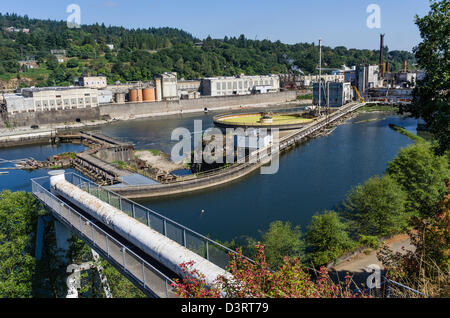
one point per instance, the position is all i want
(313, 177)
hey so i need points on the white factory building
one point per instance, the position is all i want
(240, 85)
(93, 81)
(51, 98)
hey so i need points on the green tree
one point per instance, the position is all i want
(422, 175)
(431, 96)
(282, 240)
(18, 217)
(377, 208)
(326, 238)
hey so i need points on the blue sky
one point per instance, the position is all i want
(337, 22)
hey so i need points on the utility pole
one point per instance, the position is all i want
(320, 74)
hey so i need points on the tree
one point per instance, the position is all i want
(425, 268)
(377, 208)
(18, 217)
(431, 96)
(282, 240)
(422, 175)
(326, 238)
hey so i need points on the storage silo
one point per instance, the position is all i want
(133, 95)
(158, 89)
(140, 97)
(148, 94)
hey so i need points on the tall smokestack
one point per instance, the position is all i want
(381, 55)
(405, 67)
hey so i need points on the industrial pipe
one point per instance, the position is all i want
(167, 252)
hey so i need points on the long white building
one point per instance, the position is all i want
(240, 85)
(51, 98)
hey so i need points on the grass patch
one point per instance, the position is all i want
(121, 164)
(377, 108)
(305, 97)
(408, 134)
(155, 152)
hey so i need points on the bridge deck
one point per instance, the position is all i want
(133, 264)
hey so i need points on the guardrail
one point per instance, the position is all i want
(197, 243)
(140, 272)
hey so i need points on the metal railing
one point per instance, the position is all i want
(140, 272)
(205, 247)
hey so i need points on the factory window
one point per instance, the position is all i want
(58, 102)
(52, 103)
(88, 100)
(218, 86)
(271, 82)
(234, 85)
(94, 100)
(73, 101)
(80, 101)
(229, 85)
(87, 94)
(224, 85)
(66, 102)
(240, 85)
(246, 84)
(58, 96)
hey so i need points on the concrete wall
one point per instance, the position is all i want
(130, 110)
(51, 117)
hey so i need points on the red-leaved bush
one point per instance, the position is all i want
(256, 280)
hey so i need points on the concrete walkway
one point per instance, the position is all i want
(360, 262)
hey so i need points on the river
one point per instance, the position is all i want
(313, 177)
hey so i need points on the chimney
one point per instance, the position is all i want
(405, 67)
(381, 55)
(387, 67)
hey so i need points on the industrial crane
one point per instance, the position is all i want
(359, 96)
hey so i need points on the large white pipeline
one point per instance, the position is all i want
(158, 246)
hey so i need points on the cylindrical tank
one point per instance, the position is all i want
(120, 98)
(133, 95)
(139, 93)
(148, 94)
(158, 88)
(167, 252)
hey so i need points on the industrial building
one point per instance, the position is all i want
(368, 76)
(51, 98)
(333, 94)
(240, 85)
(166, 86)
(189, 89)
(308, 80)
(93, 81)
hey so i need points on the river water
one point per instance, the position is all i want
(313, 177)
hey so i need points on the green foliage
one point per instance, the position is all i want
(18, 216)
(369, 241)
(119, 285)
(377, 207)
(326, 238)
(431, 96)
(422, 175)
(282, 240)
